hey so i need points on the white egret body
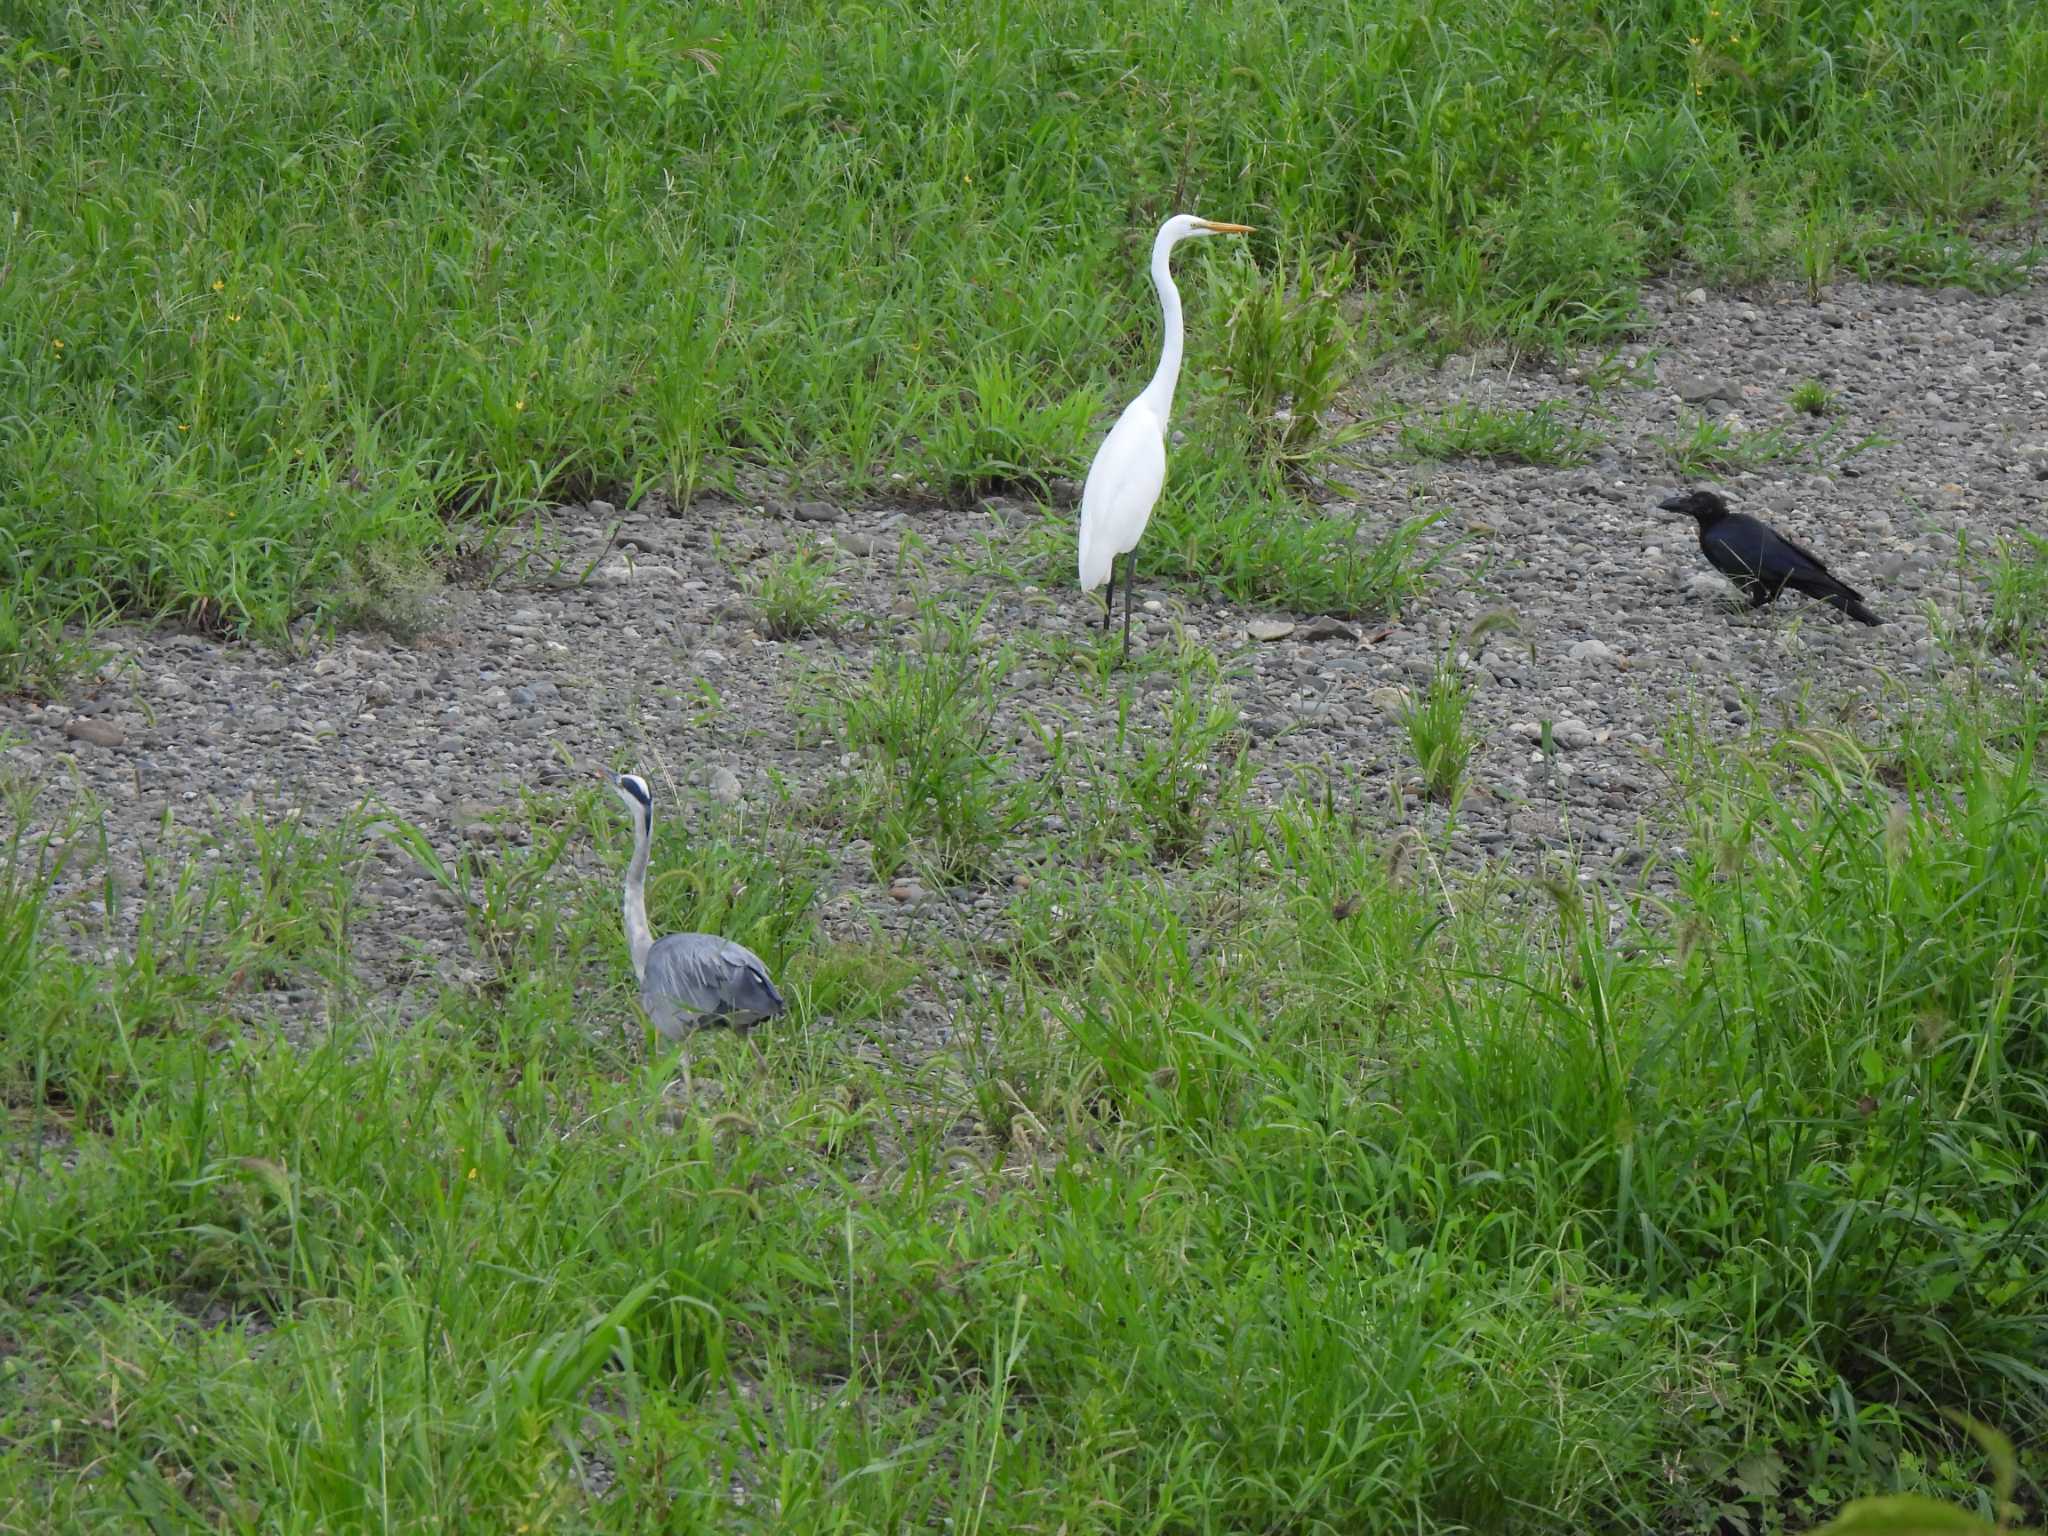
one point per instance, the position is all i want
(1130, 468)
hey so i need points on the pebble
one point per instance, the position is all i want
(98, 733)
(725, 786)
(1699, 388)
(1571, 733)
(1327, 629)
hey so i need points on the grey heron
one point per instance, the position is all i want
(686, 979)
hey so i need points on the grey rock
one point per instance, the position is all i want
(817, 512)
(1708, 586)
(1327, 629)
(1571, 733)
(725, 786)
(97, 733)
(1594, 650)
(1698, 388)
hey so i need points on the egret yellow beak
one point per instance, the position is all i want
(1223, 229)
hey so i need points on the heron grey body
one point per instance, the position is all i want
(693, 979)
(687, 980)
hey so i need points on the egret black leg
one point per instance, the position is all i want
(1130, 581)
(1109, 597)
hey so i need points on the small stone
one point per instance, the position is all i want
(1708, 585)
(1391, 702)
(1696, 296)
(1699, 388)
(472, 819)
(725, 786)
(602, 510)
(861, 544)
(1571, 733)
(1328, 629)
(1269, 629)
(168, 687)
(909, 892)
(98, 733)
(1594, 650)
(816, 512)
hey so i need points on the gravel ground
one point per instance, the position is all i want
(525, 675)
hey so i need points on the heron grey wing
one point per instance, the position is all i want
(753, 990)
(710, 976)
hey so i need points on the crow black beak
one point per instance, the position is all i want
(1675, 502)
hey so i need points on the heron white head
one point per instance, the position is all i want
(633, 790)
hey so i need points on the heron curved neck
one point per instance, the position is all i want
(1159, 393)
(639, 938)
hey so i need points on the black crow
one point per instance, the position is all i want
(1761, 561)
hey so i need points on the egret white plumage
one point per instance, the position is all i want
(1130, 467)
(686, 979)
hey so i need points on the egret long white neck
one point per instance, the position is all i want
(639, 938)
(1159, 393)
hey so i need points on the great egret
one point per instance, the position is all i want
(1130, 467)
(686, 979)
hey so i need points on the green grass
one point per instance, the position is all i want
(795, 594)
(2019, 593)
(438, 262)
(1540, 435)
(1811, 397)
(1437, 732)
(927, 783)
(1707, 445)
(1288, 1191)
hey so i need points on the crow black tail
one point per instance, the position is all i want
(1835, 595)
